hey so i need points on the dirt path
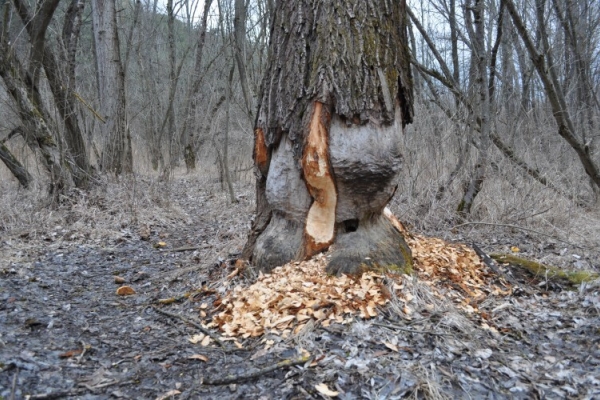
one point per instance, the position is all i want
(64, 333)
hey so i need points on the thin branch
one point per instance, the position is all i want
(190, 322)
(256, 373)
(78, 97)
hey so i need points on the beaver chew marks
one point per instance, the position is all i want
(320, 221)
(261, 153)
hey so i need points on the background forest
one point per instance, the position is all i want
(506, 102)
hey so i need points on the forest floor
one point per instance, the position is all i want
(65, 333)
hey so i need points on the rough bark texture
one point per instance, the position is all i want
(187, 131)
(15, 167)
(116, 153)
(35, 131)
(335, 99)
(62, 86)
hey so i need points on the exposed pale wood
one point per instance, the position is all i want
(320, 221)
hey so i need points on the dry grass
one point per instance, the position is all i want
(111, 207)
(431, 147)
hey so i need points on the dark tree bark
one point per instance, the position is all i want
(60, 76)
(189, 114)
(116, 152)
(36, 132)
(239, 30)
(11, 162)
(335, 99)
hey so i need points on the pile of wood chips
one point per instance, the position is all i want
(300, 293)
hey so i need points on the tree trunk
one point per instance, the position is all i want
(226, 169)
(62, 89)
(35, 131)
(335, 98)
(116, 152)
(187, 131)
(239, 30)
(474, 17)
(11, 162)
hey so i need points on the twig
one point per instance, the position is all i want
(190, 322)
(256, 373)
(57, 395)
(78, 97)
(182, 249)
(523, 229)
(14, 385)
(400, 328)
(491, 263)
(83, 351)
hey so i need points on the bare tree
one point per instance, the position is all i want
(60, 75)
(38, 127)
(116, 151)
(542, 60)
(239, 29)
(191, 102)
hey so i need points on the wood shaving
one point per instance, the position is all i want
(285, 300)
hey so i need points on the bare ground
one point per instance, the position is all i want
(64, 333)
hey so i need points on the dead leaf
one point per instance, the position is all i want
(198, 357)
(324, 390)
(169, 394)
(206, 341)
(160, 245)
(234, 273)
(125, 291)
(70, 353)
(391, 346)
(197, 338)
(119, 280)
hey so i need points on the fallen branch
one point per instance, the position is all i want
(549, 272)
(187, 248)
(14, 385)
(57, 395)
(190, 322)
(256, 373)
(492, 264)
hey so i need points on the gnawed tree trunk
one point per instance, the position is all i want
(335, 98)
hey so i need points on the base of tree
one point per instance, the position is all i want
(374, 243)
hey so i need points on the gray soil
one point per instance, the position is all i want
(64, 333)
